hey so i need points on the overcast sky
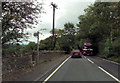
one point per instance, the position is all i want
(68, 11)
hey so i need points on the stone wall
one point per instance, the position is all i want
(14, 64)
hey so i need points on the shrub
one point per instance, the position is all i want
(116, 47)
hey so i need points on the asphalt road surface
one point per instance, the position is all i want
(80, 69)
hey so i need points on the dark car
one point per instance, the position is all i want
(76, 53)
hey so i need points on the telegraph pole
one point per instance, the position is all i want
(37, 35)
(54, 7)
(37, 57)
(37, 47)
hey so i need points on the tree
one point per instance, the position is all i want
(31, 46)
(100, 25)
(46, 44)
(64, 44)
(58, 32)
(66, 40)
(69, 32)
(69, 29)
(18, 16)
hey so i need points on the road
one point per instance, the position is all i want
(82, 69)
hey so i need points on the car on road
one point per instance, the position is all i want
(76, 53)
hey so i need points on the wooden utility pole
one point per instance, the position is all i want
(38, 47)
(38, 43)
(37, 57)
(54, 7)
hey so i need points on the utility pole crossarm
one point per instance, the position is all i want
(54, 5)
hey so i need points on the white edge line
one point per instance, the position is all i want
(90, 61)
(109, 74)
(111, 61)
(54, 71)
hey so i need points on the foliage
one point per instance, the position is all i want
(107, 47)
(46, 44)
(100, 25)
(31, 46)
(15, 49)
(67, 39)
(18, 16)
(69, 29)
(58, 32)
(116, 47)
(63, 44)
(10, 49)
(23, 49)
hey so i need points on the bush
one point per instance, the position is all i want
(22, 49)
(108, 48)
(8, 49)
(116, 47)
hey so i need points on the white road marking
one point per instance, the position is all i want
(111, 61)
(55, 71)
(109, 74)
(85, 56)
(90, 61)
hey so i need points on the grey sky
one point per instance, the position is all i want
(68, 11)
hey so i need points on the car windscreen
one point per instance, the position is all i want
(88, 47)
(76, 50)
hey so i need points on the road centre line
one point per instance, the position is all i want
(109, 74)
(55, 70)
(90, 61)
(85, 56)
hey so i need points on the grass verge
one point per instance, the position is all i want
(113, 58)
(116, 59)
